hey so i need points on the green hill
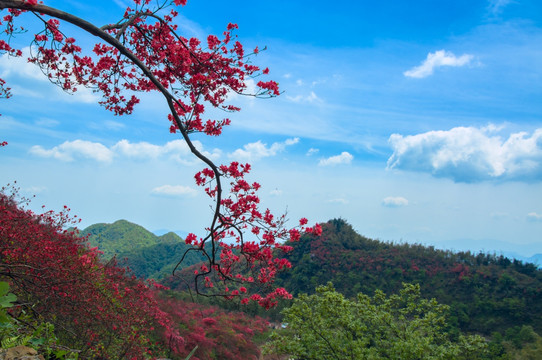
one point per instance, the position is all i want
(118, 237)
(147, 255)
(486, 292)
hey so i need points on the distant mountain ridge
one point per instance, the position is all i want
(147, 255)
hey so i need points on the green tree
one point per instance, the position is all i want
(403, 326)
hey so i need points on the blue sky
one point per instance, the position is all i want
(416, 121)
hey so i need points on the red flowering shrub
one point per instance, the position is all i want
(216, 333)
(96, 308)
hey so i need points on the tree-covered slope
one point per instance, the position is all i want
(147, 255)
(118, 237)
(486, 292)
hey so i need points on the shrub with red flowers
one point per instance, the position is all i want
(216, 333)
(96, 308)
(144, 52)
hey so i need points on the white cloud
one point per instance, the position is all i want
(145, 150)
(33, 190)
(70, 150)
(469, 154)
(535, 217)
(495, 7)
(123, 4)
(312, 151)
(435, 60)
(275, 192)
(114, 125)
(396, 201)
(176, 150)
(46, 122)
(499, 215)
(343, 158)
(338, 201)
(20, 67)
(250, 89)
(173, 191)
(258, 150)
(311, 98)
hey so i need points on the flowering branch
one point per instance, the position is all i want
(141, 53)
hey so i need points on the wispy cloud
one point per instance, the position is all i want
(469, 154)
(495, 7)
(173, 191)
(257, 150)
(311, 98)
(46, 122)
(275, 192)
(535, 217)
(343, 158)
(435, 60)
(338, 201)
(394, 201)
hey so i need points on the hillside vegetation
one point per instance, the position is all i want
(60, 297)
(487, 293)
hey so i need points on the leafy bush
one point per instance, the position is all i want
(328, 326)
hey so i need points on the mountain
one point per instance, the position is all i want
(120, 236)
(486, 292)
(536, 259)
(147, 255)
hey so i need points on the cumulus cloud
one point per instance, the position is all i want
(535, 217)
(312, 151)
(435, 60)
(257, 150)
(176, 150)
(173, 191)
(469, 154)
(343, 158)
(70, 150)
(394, 201)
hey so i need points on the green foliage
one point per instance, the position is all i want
(404, 326)
(24, 330)
(6, 301)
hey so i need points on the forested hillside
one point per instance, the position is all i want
(486, 292)
(147, 255)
